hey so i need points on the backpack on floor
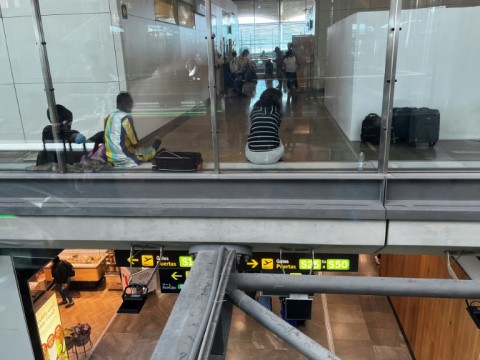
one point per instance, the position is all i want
(371, 129)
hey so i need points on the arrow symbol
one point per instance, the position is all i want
(253, 263)
(175, 276)
(132, 260)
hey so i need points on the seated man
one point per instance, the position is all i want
(121, 143)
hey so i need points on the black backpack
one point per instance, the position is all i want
(371, 129)
(69, 268)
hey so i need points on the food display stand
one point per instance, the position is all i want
(89, 264)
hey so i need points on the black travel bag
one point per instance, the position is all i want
(424, 126)
(177, 161)
(401, 123)
(371, 129)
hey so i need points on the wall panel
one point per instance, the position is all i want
(434, 328)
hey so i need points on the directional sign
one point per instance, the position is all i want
(172, 280)
(175, 276)
(299, 262)
(149, 258)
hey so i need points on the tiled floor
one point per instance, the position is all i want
(353, 327)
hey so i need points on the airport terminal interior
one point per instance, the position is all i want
(351, 326)
(381, 163)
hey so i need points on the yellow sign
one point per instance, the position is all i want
(175, 276)
(132, 260)
(267, 264)
(147, 260)
(253, 263)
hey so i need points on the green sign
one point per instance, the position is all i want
(306, 264)
(338, 264)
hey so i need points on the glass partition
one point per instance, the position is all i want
(96, 50)
(331, 80)
(331, 83)
(435, 119)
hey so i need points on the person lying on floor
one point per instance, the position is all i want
(263, 144)
(121, 142)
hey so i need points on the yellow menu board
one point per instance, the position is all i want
(50, 329)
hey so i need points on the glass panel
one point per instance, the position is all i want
(437, 73)
(95, 52)
(334, 80)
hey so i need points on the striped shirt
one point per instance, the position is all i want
(264, 125)
(120, 139)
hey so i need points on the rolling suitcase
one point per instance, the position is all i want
(401, 123)
(424, 126)
(371, 129)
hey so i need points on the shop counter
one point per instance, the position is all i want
(89, 265)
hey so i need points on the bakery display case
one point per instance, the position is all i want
(38, 284)
(89, 264)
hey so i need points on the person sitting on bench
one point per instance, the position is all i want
(121, 142)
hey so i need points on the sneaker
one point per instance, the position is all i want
(70, 305)
(63, 302)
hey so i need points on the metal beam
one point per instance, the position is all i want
(192, 308)
(278, 283)
(298, 340)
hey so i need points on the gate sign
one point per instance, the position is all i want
(172, 280)
(299, 263)
(149, 258)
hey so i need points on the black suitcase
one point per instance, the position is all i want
(401, 123)
(177, 161)
(371, 129)
(424, 126)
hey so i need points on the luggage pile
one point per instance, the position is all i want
(409, 124)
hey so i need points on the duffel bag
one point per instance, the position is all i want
(177, 161)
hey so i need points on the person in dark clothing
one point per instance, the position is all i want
(62, 281)
(279, 56)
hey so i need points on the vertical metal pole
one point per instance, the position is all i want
(47, 79)
(389, 83)
(211, 85)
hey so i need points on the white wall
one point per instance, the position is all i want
(80, 47)
(436, 68)
(14, 337)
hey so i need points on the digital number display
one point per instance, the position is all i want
(338, 264)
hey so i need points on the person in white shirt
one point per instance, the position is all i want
(290, 65)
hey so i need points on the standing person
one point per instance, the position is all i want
(237, 72)
(263, 144)
(290, 65)
(279, 56)
(62, 281)
(121, 142)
